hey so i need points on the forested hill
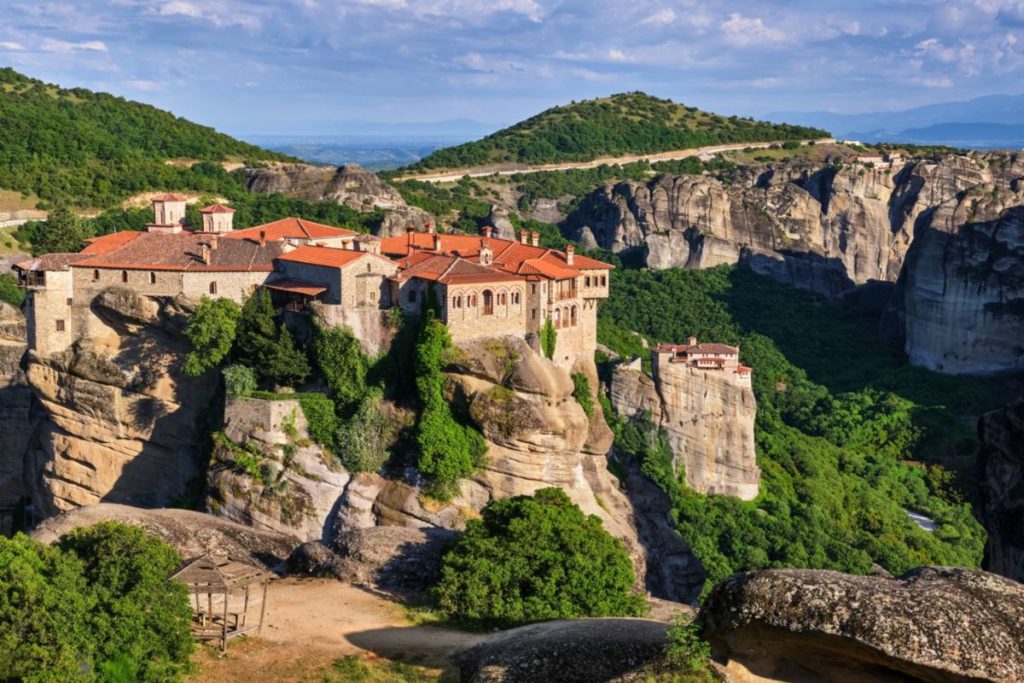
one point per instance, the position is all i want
(630, 123)
(93, 149)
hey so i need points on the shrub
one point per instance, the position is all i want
(533, 558)
(548, 339)
(687, 653)
(581, 392)
(341, 360)
(321, 418)
(239, 380)
(10, 291)
(364, 444)
(211, 330)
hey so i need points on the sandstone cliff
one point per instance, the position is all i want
(708, 417)
(933, 624)
(350, 185)
(1001, 486)
(17, 423)
(122, 423)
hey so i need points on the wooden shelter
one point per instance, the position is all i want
(219, 575)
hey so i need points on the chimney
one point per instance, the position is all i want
(437, 242)
(692, 341)
(486, 255)
(535, 238)
(430, 228)
(569, 251)
(524, 236)
(213, 242)
(263, 238)
(206, 253)
(486, 231)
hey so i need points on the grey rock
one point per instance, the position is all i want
(1001, 487)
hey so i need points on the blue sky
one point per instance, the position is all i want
(310, 66)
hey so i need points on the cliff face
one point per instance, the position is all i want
(350, 185)
(708, 417)
(16, 418)
(1001, 485)
(121, 423)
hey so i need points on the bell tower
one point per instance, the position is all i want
(168, 213)
(217, 218)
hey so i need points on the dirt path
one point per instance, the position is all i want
(512, 168)
(312, 622)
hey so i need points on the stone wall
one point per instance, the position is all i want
(48, 311)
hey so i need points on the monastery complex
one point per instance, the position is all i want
(485, 286)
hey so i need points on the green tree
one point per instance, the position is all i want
(340, 358)
(364, 443)
(64, 232)
(267, 347)
(581, 392)
(10, 291)
(211, 330)
(136, 614)
(239, 380)
(285, 364)
(548, 339)
(43, 603)
(533, 558)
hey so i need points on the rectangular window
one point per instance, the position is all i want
(60, 325)
(533, 313)
(70, 301)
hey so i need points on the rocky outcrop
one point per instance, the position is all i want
(708, 416)
(121, 423)
(267, 473)
(933, 624)
(191, 533)
(583, 651)
(502, 224)
(962, 293)
(1001, 488)
(17, 421)
(350, 185)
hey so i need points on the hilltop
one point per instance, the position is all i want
(94, 149)
(629, 123)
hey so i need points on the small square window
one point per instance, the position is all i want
(60, 325)
(70, 301)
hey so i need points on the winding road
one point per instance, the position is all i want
(514, 168)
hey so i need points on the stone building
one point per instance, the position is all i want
(706, 356)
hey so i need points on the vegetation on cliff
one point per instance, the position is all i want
(97, 148)
(97, 606)
(628, 123)
(535, 558)
(839, 417)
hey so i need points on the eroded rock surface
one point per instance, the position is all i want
(191, 533)
(121, 423)
(17, 423)
(582, 651)
(708, 416)
(1001, 485)
(933, 624)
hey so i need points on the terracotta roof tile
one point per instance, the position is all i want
(49, 262)
(290, 228)
(216, 208)
(296, 286)
(323, 256)
(105, 243)
(184, 251)
(169, 197)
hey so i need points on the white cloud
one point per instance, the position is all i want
(616, 55)
(744, 31)
(662, 18)
(64, 46)
(11, 45)
(145, 86)
(187, 9)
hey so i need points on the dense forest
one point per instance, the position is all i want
(96, 149)
(849, 437)
(630, 123)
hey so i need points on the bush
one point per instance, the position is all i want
(267, 347)
(581, 392)
(534, 558)
(341, 360)
(211, 330)
(364, 444)
(239, 380)
(687, 653)
(321, 417)
(548, 339)
(10, 291)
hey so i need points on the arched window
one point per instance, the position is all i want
(124, 276)
(488, 302)
(213, 287)
(556, 319)
(471, 301)
(457, 301)
(95, 276)
(572, 316)
(502, 298)
(515, 297)
(152, 278)
(412, 296)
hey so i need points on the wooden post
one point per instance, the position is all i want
(245, 607)
(209, 608)
(224, 626)
(263, 608)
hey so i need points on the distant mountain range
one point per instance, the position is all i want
(993, 121)
(380, 152)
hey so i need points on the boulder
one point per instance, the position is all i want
(932, 624)
(1001, 487)
(191, 533)
(580, 651)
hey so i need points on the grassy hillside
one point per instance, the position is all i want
(848, 435)
(630, 123)
(93, 149)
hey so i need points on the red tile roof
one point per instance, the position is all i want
(183, 251)
(323, 256)
(290, 228)
(216, 208)
(105, 243)
(296, 287)
(454, 270)
(49, 262)
(168, 197)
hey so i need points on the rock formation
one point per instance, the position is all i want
(583, 651)
(265, 471)
(191, 533)
(708, 416)
(122, 423)
(350, 185)
(16, 417)
(1001, 487)
(933, 624)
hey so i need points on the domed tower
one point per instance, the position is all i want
(217, 218)
(168, 213)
